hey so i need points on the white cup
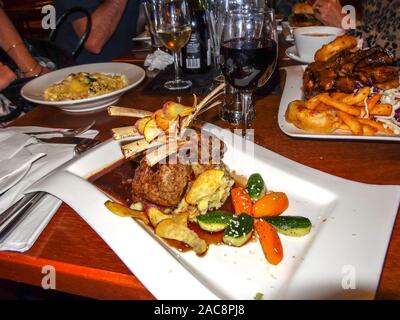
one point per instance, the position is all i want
(309, 39)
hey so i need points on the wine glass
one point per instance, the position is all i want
(173, 29)
(215, 13)
(149, 12)
(249, 51)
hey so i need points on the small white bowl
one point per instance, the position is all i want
(309, 39)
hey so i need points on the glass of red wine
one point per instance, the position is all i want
(249, 51)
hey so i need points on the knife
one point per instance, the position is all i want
(63, 140)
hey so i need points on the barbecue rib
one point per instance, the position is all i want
(348, 70)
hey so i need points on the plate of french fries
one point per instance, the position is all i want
(366, 114)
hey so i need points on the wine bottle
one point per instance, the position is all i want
(196, 55)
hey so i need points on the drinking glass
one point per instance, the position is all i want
(249, 51)
(215, 14)
(149, 11)
(173, 29)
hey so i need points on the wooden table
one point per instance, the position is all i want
(86, 266)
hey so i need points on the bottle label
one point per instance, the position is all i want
(193, 53)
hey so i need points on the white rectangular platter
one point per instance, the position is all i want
(352, 224)
(293, 91)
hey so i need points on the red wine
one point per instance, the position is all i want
(246, 64)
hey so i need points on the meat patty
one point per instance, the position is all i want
(162, 184)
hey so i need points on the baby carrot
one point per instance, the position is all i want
(272, 204)
(270, 241)
(241, 201)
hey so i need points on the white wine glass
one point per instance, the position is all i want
(173, 29)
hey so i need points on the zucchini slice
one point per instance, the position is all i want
(293, 226)
(239, 230)
(215, 221)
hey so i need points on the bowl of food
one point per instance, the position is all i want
(310, 39)
(83, 88)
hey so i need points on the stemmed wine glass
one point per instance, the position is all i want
(249, 51)
(173, 29)
(215, 13)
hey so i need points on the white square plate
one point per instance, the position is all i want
(352, 224)
(293, 91)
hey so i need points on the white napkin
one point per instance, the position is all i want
(11, 142)
(9, 167)
(158, 60)
(23, 237)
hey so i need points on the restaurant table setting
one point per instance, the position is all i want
(339, 190)
(24, 160)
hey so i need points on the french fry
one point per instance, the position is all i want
(359, 97)
(352, 122)
(354, 111)
(339, 95)
(362, 112)
(360, 104)
(322, 107)
(344, 127)
(371, 102)
(128, 112)
(312, 103)
(368, 130)
(377, 125)
(381, 109)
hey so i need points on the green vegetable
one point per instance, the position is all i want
(255, 186)
(259, 296)
(215, 221)
(290, 225)
(239, 230)
(91, 79)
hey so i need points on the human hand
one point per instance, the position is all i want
(45, 70)
(6, 76)
(329, 12)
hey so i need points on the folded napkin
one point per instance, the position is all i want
(158, 60)
(15, 167)
(49, 157)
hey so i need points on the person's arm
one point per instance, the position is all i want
(12, 44)
(105, 20)
(6, 76)
(329, 12)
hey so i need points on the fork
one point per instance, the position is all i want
(12, 217)
(65, 133)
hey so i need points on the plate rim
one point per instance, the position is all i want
(295, 57)
(291, 93)
(86, 100)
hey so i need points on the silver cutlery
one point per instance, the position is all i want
(65, 140)
(65, 133)
(13, 216)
